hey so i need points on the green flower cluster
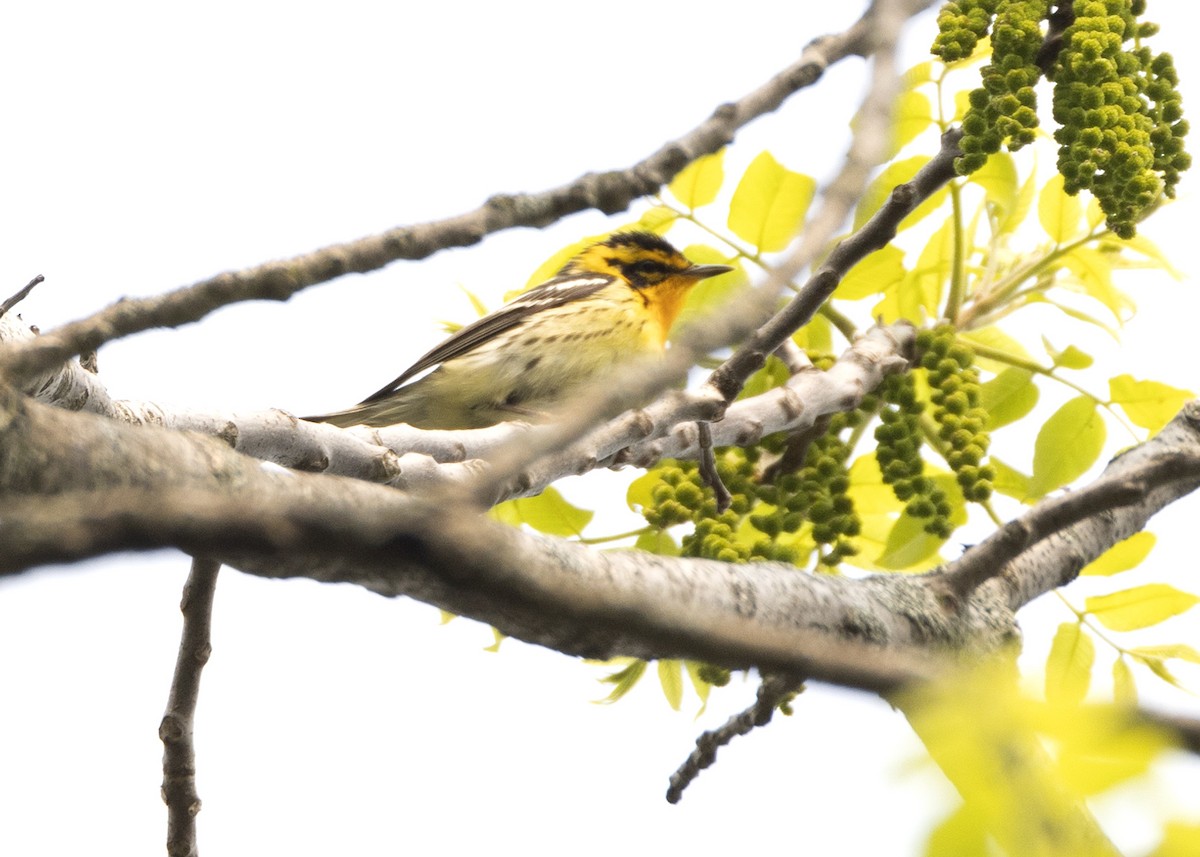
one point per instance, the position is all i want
(898, 452)
(954, 393)
(1119, 111)
(960, 27)
(1004, 109)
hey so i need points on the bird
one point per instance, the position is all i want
(615, 300)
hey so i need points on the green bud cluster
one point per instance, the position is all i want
(898, 451)
(817, 492)
(1119, 111)
(1004, 109)
(960, 27)
(954, 393)
(768, 499)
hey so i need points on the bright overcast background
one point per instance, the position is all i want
(152, 145)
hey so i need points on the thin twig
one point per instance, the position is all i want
(21, 295)
(775, 689)
(708, 467)
(179, 755)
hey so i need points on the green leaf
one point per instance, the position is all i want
(1069, 666)
(548, 512)
(998, 178)
(670, 676)
(700, 181)
(874, 274)
(476, 304)
(1067, 445)
(769, 204)
(1124, 687)
(1008, 397)
(1122, 556)
(1072, 312)
(881, 188)
(1140, 607)
(1059, 213)
(1069, 358)
(1149, 404)
(623, 681)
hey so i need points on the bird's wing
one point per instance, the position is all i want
(553, 293)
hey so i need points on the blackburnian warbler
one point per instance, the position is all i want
(615, 300)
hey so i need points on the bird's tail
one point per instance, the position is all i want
(391, 410)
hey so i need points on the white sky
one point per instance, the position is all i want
(150, 147)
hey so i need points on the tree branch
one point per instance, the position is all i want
(179, 755)
(609, 192)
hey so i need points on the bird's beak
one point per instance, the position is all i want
(703, 272)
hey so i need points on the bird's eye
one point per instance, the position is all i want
(649, 266)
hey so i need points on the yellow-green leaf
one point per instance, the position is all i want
(962, 834)
(1069, 666)
(1093, 277)
(657, 220)
(699, 683)
(911, 114)
(548, 512)
(1180, 839)
(917, 75)
(1122, 556)
(918, 296)
(1069, 358)
(817, 335)
(881, 188)
(670, 676)
(1067, 445)
(994, 339)
(714, 293)
(1059, 213)
(497, 639)
(1140, 607)
(1149, 404)
(1020, 206)
(769, 204)
(1009, 481)
(1141, 244)
(554, 264)
(1008, 397)
(657, 541)
(623, 680)
(1176, 651)
(1124, 687)
(700, 181)
(638, 494)
(998, 178)
(874, 274)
